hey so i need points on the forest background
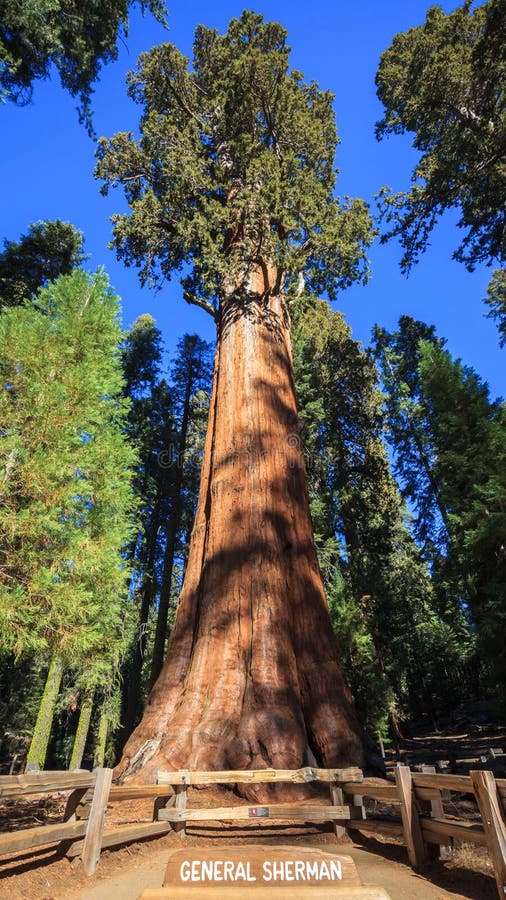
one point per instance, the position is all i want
(48, 161)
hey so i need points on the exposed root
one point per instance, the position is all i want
(144, 753)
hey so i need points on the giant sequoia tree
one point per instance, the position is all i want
(232, 181)
(444, 82)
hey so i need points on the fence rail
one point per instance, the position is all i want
(420, 796)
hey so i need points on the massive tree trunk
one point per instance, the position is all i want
(251, 678)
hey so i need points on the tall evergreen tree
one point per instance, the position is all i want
(190, 374)
(48, 250)
(232, 179)
(66, 495)
(380, 590)
(469, 436)
(151, 427)
(398, 355)
(455, 435)
(160, 419)
(496, 299)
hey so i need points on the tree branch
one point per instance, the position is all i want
(199, 301)
(183, 105)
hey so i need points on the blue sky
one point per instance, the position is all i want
(47, 163)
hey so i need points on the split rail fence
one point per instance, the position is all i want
(422, 823)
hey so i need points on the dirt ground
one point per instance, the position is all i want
(125, 872)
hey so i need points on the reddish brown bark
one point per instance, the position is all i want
(251, 678)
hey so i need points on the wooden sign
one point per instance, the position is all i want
(265, 866)
(273, 873)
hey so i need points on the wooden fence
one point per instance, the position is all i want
(422, 822)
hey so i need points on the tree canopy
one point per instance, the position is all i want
(76, 38)
(48, 249)
(496, 300)
(234, 169)
(444, 82)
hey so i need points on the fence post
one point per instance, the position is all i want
(337, 799)
(95, 828)
(162, 803)
(417, 849)
(73, 803)
(355, 802)
(435, 809)
(485, 790)
(181, 801)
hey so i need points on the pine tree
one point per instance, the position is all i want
(444, 82)
(398, 355)
(454, 436)
(76, 40)
(190, 374)
(151, 427)
(496, 299)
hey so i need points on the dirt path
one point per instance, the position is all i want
(126, 872)
(398, 880)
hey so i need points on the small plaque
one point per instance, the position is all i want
(258, 812)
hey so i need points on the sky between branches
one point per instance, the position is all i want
(47, 163)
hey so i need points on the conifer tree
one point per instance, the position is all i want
(496, 300)
(381, 595)
(232, 181)
(48, 250)
(444, 82)
(454, 424)
(469, 436)
(76, 39)
(66, 496)
(190, 374)
(398, 356)
(151, 427)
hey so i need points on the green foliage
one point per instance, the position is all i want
(378, 586)
(444, 82)
(21, 686)
(234, 168)
(141, 357)
(66, 469)
(77, 38)
(449, 443)
(496, 299)
(469, 436)
(190, 373)
(190, 384)
(372, 694)
(409, 430)
(48, 250)
(167, 424)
